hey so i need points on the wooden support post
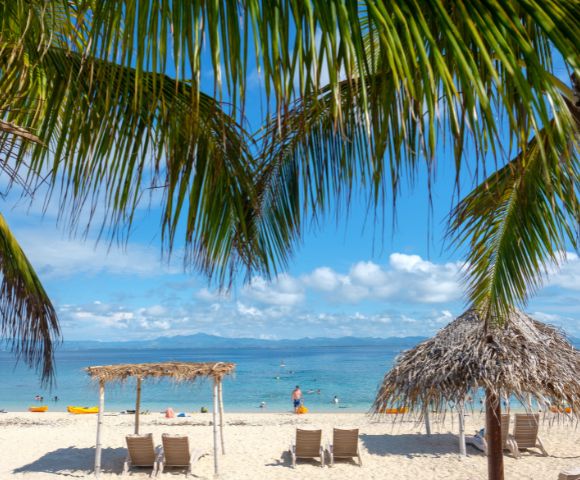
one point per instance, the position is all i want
(461, 413)
(99, 428)
(493, 436)
(137, 405)
(221, 411)
(215, 430)
(427, 420)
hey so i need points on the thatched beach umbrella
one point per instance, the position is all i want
(186, 372)
(525, 358)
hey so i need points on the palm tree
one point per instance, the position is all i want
(517, 223)
(436, 72)
(102, 132)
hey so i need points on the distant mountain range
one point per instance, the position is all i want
(202, 340)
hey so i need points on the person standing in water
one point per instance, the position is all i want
(296, 398)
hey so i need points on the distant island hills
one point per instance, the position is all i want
(203, 340)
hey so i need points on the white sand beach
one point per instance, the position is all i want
(56, 445)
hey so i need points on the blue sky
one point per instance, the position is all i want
(348, 276)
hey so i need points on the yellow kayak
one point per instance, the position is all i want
(43, 408)
(80, 410)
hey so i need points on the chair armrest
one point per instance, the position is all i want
(541, 446)
(195, 454)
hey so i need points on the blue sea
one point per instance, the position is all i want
(262, 375)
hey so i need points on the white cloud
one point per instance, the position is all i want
(407, 278)
(54, 256)
(568, 276)
(283, 290)
(324, 279)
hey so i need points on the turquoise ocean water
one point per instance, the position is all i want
(351, 373)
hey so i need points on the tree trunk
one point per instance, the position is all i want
(493, 436)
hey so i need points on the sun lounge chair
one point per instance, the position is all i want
(526, 434)
(505, 442)
(308, 445)
(176, 453)
(140, 453)
(344, 445)
(571, 474)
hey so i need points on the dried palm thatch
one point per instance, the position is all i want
(525, 358)
(178, 371)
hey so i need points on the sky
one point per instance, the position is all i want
(346, 278)
(349, 276)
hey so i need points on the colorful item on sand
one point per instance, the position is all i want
(42, 408)
(396, 410)
(302, 409)
(81, 410)
(557, 409)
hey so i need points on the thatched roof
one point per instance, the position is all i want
(524, 358)
(178, 371)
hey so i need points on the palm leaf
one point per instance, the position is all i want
(516, 224)
(112, 135)
(27, 318)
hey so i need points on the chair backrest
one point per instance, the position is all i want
(141, 449)
(345, 442)
(176, 450)
(526, 429)
(505, 428)
(308, 443)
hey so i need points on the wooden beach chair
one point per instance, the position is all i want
(526, 434)
(308, 445)
(176, 453)
(570, 474)
(140, 453)
(505, 441)
(344, 445)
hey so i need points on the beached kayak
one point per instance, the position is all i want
(42, 408)
(80, 410)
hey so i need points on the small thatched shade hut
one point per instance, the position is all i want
(526, 358)
(177, 371)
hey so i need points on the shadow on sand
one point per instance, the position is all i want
(410, 445)
(76, 462)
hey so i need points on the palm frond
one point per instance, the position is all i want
(516, 225)
(488, 60)
(27, 318)
(111, 135)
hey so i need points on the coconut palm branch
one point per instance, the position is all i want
(469, 65)
(427, 74)
(27, 318)
(95, 132)
(517, 225)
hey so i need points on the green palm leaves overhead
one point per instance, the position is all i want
(27, 318)
(518, 223)
(102, 100)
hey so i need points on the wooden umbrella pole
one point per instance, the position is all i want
(215, 431)
(460, 412)
(137, 405)
(493, 436)
(99, 427)
(427, 420)
(221, 411)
